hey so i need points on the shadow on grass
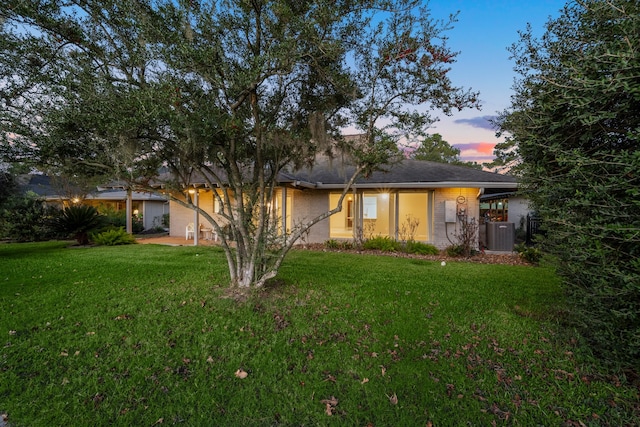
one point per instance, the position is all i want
(29, 249)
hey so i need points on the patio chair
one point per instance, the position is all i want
(190, 231)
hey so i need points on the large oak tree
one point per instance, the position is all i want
(229, 91)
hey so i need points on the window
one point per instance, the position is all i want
(403, 216)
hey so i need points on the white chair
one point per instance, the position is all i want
(190, 231)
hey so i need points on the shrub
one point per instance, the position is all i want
(338, 245)
(455, 251)
(529, 253)
(332, 244)
(27, 219)
(79, 221)
(419, 248)
(380, 243)
(118, 218)
(114, 237)
(467, 236)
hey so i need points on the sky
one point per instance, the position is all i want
(484, 31)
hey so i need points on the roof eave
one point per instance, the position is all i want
(421, 185)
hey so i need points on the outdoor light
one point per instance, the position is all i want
(75, 200)
(135, 212)
(192, 191)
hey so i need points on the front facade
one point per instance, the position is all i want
(411, 200)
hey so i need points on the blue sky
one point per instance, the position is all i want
(484, 30)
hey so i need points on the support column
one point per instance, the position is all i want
(129, 212)
(284, 214)
(196, 218)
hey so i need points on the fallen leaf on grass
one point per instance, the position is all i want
(209, 359)
(241, 374)
(330, 378)
(383, 369)
(330, 405)
(364, 381)
(393, 399)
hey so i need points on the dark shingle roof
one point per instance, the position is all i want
(405, 174)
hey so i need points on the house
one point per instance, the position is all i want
(149, 208)
(413, 199)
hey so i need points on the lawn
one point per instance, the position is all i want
(150, 335)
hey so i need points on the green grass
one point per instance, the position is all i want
(144, 334)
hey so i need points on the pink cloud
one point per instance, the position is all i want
(476, 151)
(485, 148)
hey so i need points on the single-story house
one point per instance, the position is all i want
(147, 207)
(420, 200)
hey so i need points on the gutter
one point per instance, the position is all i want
(421, 185)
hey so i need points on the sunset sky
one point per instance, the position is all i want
(484, 30)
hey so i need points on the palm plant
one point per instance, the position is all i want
(79, 221)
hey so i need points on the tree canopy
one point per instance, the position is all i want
(435, 149)
(229, 91)
(574, 128)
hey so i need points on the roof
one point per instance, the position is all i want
(407, 173)
(42, 186)
(122, 195)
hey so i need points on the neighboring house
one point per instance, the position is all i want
(148, 206)
(426, 201)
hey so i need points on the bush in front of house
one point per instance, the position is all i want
(530, 254)
(419, 248)
(455, 251)
(114, 237)
(382, 243)
(27, 219)
(338, 244)
(113, 218)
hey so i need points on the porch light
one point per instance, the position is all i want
(75, 200)
(192, 191)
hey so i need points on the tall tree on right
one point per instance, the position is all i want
(574, 124)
